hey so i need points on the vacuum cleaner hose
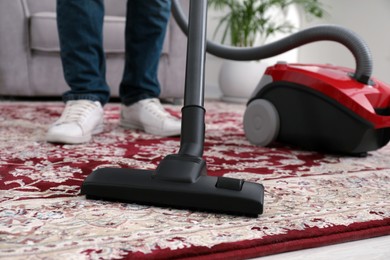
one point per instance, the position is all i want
(346, 37)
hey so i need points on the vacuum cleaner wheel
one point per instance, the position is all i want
(261, 122)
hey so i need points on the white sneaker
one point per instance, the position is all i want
(78, 122)
(150, 116)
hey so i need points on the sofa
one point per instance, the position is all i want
(30, 64)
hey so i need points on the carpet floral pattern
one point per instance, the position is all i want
(311, 199)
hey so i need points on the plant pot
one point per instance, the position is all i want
(238, 79)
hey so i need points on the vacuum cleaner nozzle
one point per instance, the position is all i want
(204, 193)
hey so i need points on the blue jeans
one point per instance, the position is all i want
(80, 26)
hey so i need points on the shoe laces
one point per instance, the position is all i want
(154, 106)
(76, 111)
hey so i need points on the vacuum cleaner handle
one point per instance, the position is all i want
(193, 112)
(196, 54)
(344, 36)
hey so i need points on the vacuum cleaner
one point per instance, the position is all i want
(315, 107)
(319, 107)
(180, 180)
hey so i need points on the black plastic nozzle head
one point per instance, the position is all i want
(207, 193)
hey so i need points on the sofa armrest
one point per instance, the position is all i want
(14, 46)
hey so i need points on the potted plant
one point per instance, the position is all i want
(246, 23)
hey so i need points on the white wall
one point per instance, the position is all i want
(213, 64)
(369, 19)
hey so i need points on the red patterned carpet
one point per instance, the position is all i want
(311, 199)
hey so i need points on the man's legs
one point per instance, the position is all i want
(146, 25)
(80, 24)
(80, 27)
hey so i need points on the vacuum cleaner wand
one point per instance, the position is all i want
(180, 180)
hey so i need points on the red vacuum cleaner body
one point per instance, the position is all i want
(318, 107)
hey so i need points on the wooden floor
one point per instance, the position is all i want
(368, 249)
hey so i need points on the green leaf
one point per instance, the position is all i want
(247, 19)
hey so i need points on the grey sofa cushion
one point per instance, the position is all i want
(43, 32)
(112, 7)
(44, 35)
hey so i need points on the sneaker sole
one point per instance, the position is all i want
(74, 139)
(149, 130)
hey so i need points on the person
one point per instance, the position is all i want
(80, 26)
